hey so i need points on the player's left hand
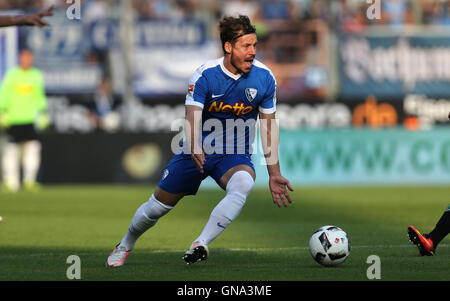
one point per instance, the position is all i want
(42, 121)
(277, 185)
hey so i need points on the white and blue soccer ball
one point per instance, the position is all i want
(329, 245)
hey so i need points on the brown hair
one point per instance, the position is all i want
(232, 28)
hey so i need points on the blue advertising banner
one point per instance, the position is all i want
(391, 65)
(105, 34)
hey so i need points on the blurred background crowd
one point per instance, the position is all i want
(294, 35)
(339, 12)
(342, 13)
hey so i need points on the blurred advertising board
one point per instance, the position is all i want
(62, 53)
(391, 64)
(72, 116)
(103, 157)
(392, 156)
(362, 157)
(413, 112)
(307, 157)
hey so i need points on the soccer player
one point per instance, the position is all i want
(427, 243)
(27, 20)
(236, 87)
(22, 106)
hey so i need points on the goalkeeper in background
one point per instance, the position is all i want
(23, 108)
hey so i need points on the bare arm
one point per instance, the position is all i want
(270, 143)
(8, 21)
(27, 20)
(192, 133)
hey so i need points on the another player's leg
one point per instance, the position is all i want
(146, 216)
(442, 228)
(427, 243)
(31, 163)
(11, 167)
(238, 184)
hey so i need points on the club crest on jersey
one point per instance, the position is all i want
(165, 174)
(251, 94)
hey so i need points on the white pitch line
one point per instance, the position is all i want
(230, 249)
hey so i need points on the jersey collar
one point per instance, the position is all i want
(227, 72)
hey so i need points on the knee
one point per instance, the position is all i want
(33, 146)
(11, 148)
(241, 183)
(154, 209)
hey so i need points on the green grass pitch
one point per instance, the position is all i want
(266, 243)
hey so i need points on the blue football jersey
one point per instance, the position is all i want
(231, 104)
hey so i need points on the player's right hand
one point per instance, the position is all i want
(4, 120)
(37, 19)
(199, 160)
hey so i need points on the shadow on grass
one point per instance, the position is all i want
(50, 264)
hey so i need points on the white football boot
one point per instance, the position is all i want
(117, 257)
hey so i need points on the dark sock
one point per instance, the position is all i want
(442, 228)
